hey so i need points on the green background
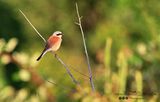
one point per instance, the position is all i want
(123, 42)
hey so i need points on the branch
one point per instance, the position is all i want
(59, 85)
(66, 67)
(79, 72)
(85, 48)
(32, 26)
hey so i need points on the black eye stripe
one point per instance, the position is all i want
(59, 34)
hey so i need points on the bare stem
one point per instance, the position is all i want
(66, 67)
(32, 25)
(85, 48)
(79, 72)
(59, 85)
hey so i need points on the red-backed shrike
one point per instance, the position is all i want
(53, 43)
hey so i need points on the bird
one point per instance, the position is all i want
(52, 44)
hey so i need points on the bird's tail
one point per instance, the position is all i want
(39, 57)
(43, 52)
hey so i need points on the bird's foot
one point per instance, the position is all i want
(55, 55)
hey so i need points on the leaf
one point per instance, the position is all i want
(11, 45)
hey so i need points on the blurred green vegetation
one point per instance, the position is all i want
(123, 41)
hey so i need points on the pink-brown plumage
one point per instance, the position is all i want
(53, 40)
(53, 43)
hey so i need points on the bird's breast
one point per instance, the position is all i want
(54, 43)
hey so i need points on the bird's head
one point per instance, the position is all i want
(58, 34)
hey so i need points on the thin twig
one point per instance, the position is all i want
(54, 83)
(85, 48)
(66, 67)
(79, 72)
(32, 26)
(56, 56)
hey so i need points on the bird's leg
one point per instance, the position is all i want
(55, 54)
